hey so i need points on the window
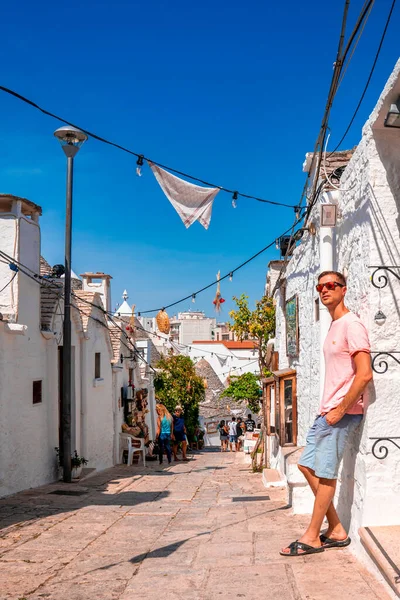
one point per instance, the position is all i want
(97, 365)
(37, 392)
(316, 311)
(225, 336)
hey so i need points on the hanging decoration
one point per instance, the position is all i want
(139, 165)
(131, 327)
(191, 202)
(163, 323)
(218, 300)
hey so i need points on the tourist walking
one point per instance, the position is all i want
(223, 435)
(232, 427)
(347, 374)
(250, 424)
(179, 433)
(164, 431)
(240, 429)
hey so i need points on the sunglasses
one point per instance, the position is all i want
(330, 285)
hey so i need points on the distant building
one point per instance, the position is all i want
(222, 332)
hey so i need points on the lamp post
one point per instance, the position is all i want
(71, 140)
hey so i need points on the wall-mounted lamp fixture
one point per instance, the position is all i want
(312, 230)
(380, 318)
(328, 215)
(393, 117)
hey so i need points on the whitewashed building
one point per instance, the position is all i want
(31, 348)
(364, 187)
(226, 357)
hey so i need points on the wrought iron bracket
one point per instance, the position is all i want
(381, 281)
(379, 447)
(379, 361)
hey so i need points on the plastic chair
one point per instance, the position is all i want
(126, 444)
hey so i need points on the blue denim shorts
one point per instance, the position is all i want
(233, 439)
(326, 443)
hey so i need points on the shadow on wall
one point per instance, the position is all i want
(346, 492)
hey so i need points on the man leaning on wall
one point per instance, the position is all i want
(347, 374)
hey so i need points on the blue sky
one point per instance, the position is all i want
(233, 93)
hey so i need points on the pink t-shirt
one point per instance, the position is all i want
(346, 337)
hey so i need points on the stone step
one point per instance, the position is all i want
(382, 544)
(272, 478)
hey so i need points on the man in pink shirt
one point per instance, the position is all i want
(347, 374)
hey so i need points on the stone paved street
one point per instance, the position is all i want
(205, 529)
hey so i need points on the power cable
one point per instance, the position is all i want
(140, 157)
(9, 283)
(369, 78)
(346, 66)
(206, 287)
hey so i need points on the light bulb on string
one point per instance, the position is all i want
(297, 212)
(277, 244)
(139, 164)
(230, 276)
(193, 298)
(234, 198)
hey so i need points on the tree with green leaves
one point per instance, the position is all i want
(257, 324)
(245, 387)
(177, 382)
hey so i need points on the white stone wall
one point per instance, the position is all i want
(28, 432)
(367, 234)
(97, 412)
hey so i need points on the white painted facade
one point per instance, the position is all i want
(191, 325)
(30, 351)
(226, 357)
(367, 234)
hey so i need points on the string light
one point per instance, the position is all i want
(277, 244)
(193, 298)
(234, 198)
(297, 212)
(230, 276)
(131, 152)
(139, 164)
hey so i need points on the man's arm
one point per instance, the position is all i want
(362, 363)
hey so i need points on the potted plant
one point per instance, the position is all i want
(77, 463)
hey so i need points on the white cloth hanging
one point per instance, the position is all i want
(222, 360)
(191, 202)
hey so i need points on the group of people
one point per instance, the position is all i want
(233, 432)
(171, 430)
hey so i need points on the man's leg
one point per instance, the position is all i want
(184, 447)
(335, 530)
(175, 450)
(323, 499)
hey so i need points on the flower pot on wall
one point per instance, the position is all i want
(76, 472)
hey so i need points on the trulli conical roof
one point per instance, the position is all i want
(124, 310)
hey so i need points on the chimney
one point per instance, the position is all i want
(100, 283)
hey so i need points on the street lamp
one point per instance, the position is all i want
(71, 140)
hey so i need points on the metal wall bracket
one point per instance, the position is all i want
(380, 281)
(380, 364)
(379, 447)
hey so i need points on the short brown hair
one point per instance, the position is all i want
(340, 276)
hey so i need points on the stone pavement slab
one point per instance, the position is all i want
(201, 530)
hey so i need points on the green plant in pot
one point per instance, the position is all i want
(77, 463)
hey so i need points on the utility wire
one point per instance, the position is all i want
(9, 283)
(142, 157)
(369, 78)
(346, 66)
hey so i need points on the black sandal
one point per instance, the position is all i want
(331, 543)
(294, 548)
